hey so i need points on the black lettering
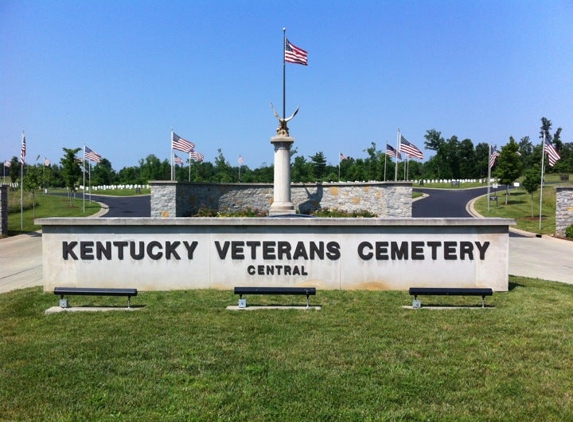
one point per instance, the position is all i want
(296, 270)
(317, 250)
(190, 248)
(151, 246)
(399, 252)
(482, 248)
(283, 250)
(269, 250)
(222, 251)
(303, 272)
(365, 256)
(103, 251)
(434, 246)
(251, 270)
(87, 251)
(300, 251)
(261, 270)
(137, 255)
(417, 251)
(450, 251)
(120, 246)
(381, 251)
(68, 250)
(278, 268)
(466, 248)
(171, 249)
(287, 269)
(253, 245)
(333, 249)
(237, 250)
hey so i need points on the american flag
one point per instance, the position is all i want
(92, 155)
(294, 54)
(197, 156)
(410, 149)
(343, 157)
(241, 161)
(47, 162)
(23, 150)
(178, 160)
(391, 152)
(7, 163)
(493, 154)
(180, 144)
(552, 153)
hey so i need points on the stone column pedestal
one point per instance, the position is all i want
(281, 189)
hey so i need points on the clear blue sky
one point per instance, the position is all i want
(117, 75)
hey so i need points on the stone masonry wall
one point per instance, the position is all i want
(3, 210)
(563, 209)
(182, 199)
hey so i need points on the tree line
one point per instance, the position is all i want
(452, 159)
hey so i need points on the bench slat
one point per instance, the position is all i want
(450, 291)
(275, 291)
(94, 291)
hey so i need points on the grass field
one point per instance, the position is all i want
(183, 356)
(46, 206)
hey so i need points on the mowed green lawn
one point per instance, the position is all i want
(183, 356)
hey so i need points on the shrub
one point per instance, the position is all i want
(337, 213)
(569, 232)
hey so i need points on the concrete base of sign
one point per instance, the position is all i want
(326, 253)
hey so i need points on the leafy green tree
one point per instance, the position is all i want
(71, 170)
(467, 160)
(14, 169)
(482, 159)
(103, 173)
(508, 165)
(531, 183)
(33, 182)
(301, 171)
(318, 165)
(152, 168)
(435, 142)
(223, 170)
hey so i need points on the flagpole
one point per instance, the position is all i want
(172, 171)
(488, 175)
(84, 182)
(397, 150)
(284, 74)
(22, 185)
(542, 171)
(385, 157)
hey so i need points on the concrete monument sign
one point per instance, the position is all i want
(220, 253)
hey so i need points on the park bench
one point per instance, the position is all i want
(307, 291)
(92, 291)
(448, 291)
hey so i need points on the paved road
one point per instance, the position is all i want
(530, 256)
(446, 203)
(125, 206)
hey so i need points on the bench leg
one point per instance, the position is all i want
(129, 302)
(483, 301)
(308, 301)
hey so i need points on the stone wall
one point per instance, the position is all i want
(563, 209)
(182, 199)
(3, 210)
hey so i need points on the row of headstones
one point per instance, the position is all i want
(114, 187)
